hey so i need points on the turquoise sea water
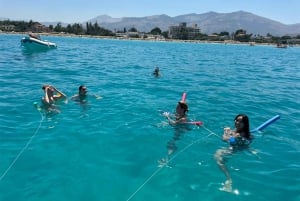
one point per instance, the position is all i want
(108, 150)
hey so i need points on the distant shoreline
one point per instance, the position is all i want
(139, 39)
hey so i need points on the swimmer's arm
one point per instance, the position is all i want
(235, 134)
(227, 134)
(226, 137)
(74, 97)
(97, 96)
(171, 121)
(46, 98)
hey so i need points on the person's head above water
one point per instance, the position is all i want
(82, 90)
(48, 89)
(241, 122)
(181, 109)
(156, 71)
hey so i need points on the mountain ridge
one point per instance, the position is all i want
(210, 22)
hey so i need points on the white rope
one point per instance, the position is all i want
(24, 148)
(212, 133)
(156, 171)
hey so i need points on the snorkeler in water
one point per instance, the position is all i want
(178, 121)
(180, 114)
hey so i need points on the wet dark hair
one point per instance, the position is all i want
(156, 71)
(246, 128)
(184, 106)
(81, 86)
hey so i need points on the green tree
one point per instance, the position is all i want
(286, 37)
(132, 29)
(30, 23)
(242, 36)
(69, 29)
(269, 35)
(224, 33)
(77, 29)
(21, 26)
(155, 31)
(201, 36)
(58, 27)
(165, 34)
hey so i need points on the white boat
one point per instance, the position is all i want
(35, 42)
(281, 46)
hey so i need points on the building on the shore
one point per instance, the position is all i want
(182, 31)
(31, 26)
(140, 35)
(7, 27)
(38, 27)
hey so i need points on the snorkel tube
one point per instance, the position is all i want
(197, 123)
(183, 98)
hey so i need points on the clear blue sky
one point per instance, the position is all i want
(71, 11)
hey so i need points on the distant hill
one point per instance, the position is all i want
(210, 22)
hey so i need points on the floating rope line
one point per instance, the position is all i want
(24, 148)
(259, 128)
(211, 133)
(165, 165)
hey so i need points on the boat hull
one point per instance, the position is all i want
(34, 43)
